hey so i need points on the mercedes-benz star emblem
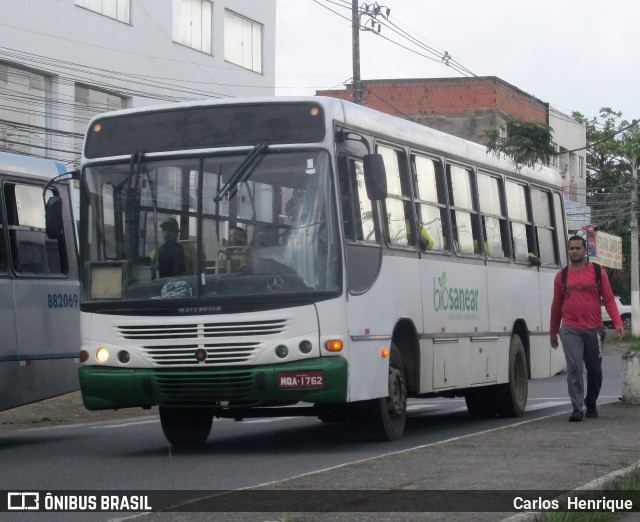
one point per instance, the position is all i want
(275, 285)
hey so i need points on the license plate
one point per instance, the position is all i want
(309, 379)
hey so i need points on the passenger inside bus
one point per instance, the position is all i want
(426, 243)
(173, 258)
(237, 253)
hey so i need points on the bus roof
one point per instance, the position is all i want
(30, 166)
(369, 120)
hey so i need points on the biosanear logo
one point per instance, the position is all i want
(453, 299)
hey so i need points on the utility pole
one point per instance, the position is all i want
(633, 229)
(372, 11)
(355, 37)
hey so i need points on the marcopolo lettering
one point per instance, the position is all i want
(453, 299)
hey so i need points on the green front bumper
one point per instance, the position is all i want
(107, 388)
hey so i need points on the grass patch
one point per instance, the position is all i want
(630, 483)
(633, 342)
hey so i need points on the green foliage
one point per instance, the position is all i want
(613, 146)
(528, 143)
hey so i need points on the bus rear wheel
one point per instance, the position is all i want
(186, 427)
(384, 418)
(511, 398)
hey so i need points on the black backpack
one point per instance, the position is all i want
(565, 271)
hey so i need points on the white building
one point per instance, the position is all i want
(570, 137)
(63, 61)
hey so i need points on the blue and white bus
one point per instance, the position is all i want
(39, 289)
(341, 260)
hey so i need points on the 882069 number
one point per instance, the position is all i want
(62, 300)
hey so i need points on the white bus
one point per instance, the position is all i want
(298, 282)
(39, 289)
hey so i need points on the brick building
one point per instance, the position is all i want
(464, 107)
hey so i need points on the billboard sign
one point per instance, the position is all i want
(609, 250)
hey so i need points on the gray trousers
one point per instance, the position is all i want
(583, 347)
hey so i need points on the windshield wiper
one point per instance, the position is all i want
(242, 172)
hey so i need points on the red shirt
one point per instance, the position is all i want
(579, 305)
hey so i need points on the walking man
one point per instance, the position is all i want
(577, 290)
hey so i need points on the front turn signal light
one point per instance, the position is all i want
(334, 345)
(384, 353)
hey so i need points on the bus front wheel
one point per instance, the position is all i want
(186, 427)
(511, 398)
(384, 418)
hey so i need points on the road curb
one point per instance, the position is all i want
(614, 479)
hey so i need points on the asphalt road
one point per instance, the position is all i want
(132, 454)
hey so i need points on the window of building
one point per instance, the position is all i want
(88, 103)
(25, 122)
(242, 41)
(117, 9)
(193, 24)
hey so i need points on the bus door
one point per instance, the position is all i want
(45, 296)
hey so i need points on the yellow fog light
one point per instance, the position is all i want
(102, 354)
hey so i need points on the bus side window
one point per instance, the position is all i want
(561, 237)
(357, 210)
(431, 199)
(3, 263)
(494, 223)
(464, 217)
(32, 252)
(521, 227)
(541, 203)
(399, 228)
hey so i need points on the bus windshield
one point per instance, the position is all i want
(249, 224)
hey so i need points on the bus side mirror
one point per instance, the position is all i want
(53, 217)
(375, 177)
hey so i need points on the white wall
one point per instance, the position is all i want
(570, 135)
(137, 60)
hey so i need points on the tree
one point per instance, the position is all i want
(612, 147)
(528, 143)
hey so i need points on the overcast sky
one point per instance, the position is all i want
(577, 55)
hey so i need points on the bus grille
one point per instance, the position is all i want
(186, 331)
(205, 389)
(213, 353)
(202, 344)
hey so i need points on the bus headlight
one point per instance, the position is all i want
(102, 354)
(124, 357)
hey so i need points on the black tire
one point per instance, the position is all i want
(186, 427)
(384, 418)
(511, 398)
(626, 321)
(481, 402)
